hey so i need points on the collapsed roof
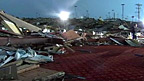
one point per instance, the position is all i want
(19, 23)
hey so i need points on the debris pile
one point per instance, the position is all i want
(31, 44)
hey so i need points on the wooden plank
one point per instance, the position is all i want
(26, 67)
(40, 74)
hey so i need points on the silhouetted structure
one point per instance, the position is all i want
(122, 11)
(138, 8)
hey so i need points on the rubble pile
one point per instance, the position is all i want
(31, 44)
(50, 40)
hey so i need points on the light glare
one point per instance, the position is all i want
(64, 15)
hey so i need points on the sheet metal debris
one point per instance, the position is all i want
(25, 53)
(40, 59)
(28, 54)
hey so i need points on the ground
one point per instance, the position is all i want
(101, 63)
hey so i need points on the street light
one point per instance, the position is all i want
(122, 11)
(113, 14)
(75, 11)
(138, 8)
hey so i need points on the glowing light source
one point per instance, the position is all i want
(64, 15)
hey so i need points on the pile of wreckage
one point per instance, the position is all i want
(23, 43)
(117, 32)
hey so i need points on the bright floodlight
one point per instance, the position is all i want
(64, 15)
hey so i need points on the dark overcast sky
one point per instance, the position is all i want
(48, 8)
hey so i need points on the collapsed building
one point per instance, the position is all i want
(24, 47)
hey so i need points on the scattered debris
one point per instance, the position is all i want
(28, 55)
(116, 41)
(19, 23)
(70, 76)
(39, 59)
(84, 51)
(26, 43)
(133, 43)
(139, 55)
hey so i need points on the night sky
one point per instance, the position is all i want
(49, 8)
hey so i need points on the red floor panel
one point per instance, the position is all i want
(104, 63)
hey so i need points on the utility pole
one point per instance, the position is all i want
(75, 11)
(138, 8)
(122, 11)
